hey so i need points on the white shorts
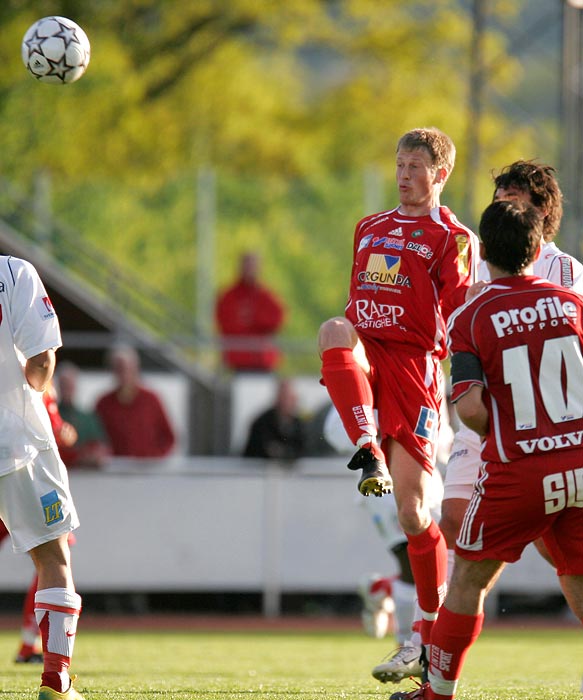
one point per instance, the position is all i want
(383, 512)
(463, 465)
(35, 502)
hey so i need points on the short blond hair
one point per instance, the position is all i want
(440, 147)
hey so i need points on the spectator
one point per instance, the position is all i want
(90, 450)
(248, 315)
(133, 417)
(278, 433)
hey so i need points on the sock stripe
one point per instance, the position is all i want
(57, 608)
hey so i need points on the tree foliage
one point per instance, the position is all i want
(289, 102)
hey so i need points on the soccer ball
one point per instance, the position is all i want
(56, 50)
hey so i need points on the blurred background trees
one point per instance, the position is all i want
(277, 121)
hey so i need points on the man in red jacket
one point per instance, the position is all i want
(248, 315)
(133, 416)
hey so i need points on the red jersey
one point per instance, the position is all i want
(521, 338)
(249, 314)
(408, 275)
(137, 429)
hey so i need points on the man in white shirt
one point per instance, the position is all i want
(35, 500)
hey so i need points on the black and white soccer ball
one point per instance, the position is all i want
(56, 50)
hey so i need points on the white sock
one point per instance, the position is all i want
(63, 608)
(404, 597)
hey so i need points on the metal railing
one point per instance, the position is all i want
(148, 306)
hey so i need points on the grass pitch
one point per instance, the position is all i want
(504, 665)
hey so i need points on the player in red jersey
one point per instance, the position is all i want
(412, 266)
(517, 375)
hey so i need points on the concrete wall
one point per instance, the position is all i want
(224, 524)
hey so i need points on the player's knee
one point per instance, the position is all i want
(452, 515)
(336, 332)
(450, 528)
(413, 520)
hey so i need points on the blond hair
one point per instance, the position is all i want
(440, 147)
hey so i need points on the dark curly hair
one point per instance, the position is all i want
(511, 233)
(540, 181)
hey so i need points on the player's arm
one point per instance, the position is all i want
(467, 388)
(39, 369)
(457, 271)
(472, 410)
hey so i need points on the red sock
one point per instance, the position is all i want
(384, 585)
(350, 392)
(428, 558)
(452, 636)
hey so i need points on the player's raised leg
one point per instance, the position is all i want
(344, 372)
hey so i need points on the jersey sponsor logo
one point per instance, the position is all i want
(427, 424)
(463, 253)
(440, 659)
(394, 243)
(563, 490)
(2, 287)
(421, 249)
(364, 415)
(369, 314)
(548, 443)
(45, 308)
(566, 273)
(52, 508)
(547, 311)
(388, 241)
(458, 454)
(383, 270)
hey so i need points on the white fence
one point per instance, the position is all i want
(216, 524)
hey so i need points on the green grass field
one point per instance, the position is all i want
(503, 665)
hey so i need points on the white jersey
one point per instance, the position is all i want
(553, 265)
(28, 326)
(462, 469)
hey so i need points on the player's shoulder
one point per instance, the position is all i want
(560, 267)
(482, 298)
(551, 251)
(373, 220)
(12, 267)
(445, 217)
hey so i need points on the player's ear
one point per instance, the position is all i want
(482, 251)
(441, 176)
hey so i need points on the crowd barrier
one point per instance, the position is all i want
(234, 525)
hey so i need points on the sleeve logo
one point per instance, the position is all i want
(45, 308)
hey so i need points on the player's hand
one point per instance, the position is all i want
(475, 289)
(67, 435)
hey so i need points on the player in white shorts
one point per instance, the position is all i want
(536, 184)
(35, 501)
(384, 596)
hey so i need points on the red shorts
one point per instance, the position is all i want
(515, 503)
(408, 390)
